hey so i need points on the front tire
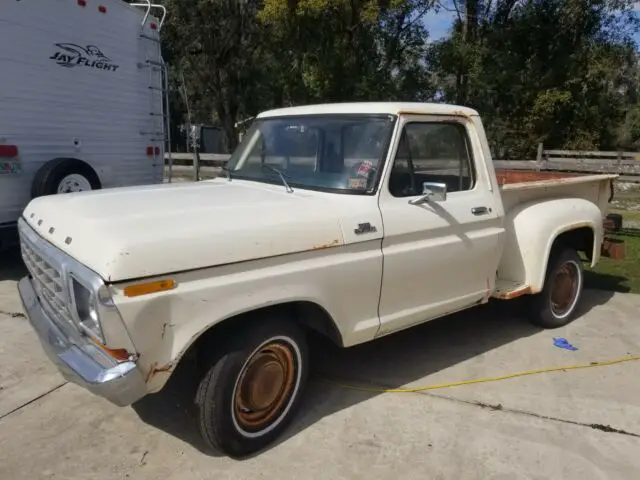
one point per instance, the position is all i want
(250, 394)
(556, 305)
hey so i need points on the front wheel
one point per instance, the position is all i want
(251, 392)
(556, 305)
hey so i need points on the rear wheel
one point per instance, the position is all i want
(73, 182)
(251, 392)
(555, 306)
(64, 175)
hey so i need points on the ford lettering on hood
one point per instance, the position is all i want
(188, 225)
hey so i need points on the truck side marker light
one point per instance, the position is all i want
(149, 287)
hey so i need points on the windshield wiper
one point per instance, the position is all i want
(280, 174)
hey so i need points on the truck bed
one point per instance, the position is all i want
(508, 177)
(520, 186)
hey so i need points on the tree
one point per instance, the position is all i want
(562, 72)
(216, 46)
(552, 71)
(347, 50)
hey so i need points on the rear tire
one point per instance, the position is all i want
(250, 394)
(556, 305)
(64, 175)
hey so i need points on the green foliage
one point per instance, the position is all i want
(552, 71)
(214, 49)
(562, 72)
(619, 275)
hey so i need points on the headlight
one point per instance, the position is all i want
(86, 306)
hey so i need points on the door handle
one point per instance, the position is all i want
(480, 210)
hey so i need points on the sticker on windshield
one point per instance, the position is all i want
(359, 183)
(365, 168)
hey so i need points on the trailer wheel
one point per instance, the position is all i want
(251, 392)
(555, 306)
(64, 175)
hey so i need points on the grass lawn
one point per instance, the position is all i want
(619, 275)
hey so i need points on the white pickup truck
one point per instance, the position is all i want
(353, 221)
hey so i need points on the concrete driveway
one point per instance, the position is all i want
(580, 424)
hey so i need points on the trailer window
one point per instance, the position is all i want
(432, 152)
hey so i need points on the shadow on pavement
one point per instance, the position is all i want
(605, 281)
(172, 410)
(11, 266)
(392, 361)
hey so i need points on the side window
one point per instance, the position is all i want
(432, 152)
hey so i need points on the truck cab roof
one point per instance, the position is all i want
(391, 108)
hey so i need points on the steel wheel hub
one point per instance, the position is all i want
(74, 183)
(264, 387)
(564, 288)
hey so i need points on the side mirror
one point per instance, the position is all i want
(431, 192)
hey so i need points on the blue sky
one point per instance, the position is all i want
(439, 23)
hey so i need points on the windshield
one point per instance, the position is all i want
(319, 152)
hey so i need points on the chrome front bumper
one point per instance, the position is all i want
(83, 363)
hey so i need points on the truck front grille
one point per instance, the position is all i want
(48, 282)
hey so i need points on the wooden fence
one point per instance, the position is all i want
(625, 164)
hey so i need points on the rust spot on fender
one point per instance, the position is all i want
(154, 370)
(334, 243)
(511, 294)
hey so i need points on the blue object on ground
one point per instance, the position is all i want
(563, 343)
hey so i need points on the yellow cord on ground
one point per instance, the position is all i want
(601, 363)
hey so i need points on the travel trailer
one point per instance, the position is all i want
(84, 99)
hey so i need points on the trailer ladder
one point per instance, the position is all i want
(155, 66)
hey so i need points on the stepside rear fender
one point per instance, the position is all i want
(532, 228)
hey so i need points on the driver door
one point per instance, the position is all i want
(441, 255)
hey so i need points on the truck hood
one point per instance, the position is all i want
(133, 232)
